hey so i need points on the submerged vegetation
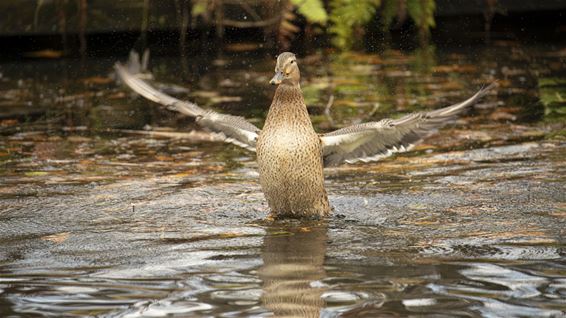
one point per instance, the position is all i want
(553, 97)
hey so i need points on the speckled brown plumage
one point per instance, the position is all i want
(289, 155)
(289, 152)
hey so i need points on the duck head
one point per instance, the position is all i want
(286, 70)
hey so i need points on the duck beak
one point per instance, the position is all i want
(277, 78)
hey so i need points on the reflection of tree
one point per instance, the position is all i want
(291, 262)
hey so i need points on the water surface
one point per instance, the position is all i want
(113, 207)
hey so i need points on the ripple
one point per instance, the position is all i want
(166, 308)
(556, 290)
(79, 304)
(237, 295)
(519, 284)
(233, 278)
(419, 302)
(498, 291)
(342, 297)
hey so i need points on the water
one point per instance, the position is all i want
(99, 218)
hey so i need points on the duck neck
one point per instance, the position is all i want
(288, 106)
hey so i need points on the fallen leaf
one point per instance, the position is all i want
(97, 80)
(8, 122)
(230, 235)
(454, 68)
(225, 99)
(35, 173)
(164, 158)
(57, 238)
(242, 47)
(501, 115)
(49, 54)
(78, 139)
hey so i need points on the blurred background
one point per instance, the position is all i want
(93, 27)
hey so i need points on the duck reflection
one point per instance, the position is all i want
(293, 258)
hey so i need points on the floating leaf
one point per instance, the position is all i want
(35, 173)
(98, 80)
(56, 238)
(47, 54)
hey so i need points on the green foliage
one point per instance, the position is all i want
(312, 10)
(348, 17)
(422, 13)
(552, 93)
(389, 10)
(200, 8)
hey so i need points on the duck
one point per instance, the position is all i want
(291, 155)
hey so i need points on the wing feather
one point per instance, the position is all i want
(375, 140)
(233, 129)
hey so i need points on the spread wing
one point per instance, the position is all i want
(375, 140)
(233, 129)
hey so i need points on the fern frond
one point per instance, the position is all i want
(349, 15)
(422, 13)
